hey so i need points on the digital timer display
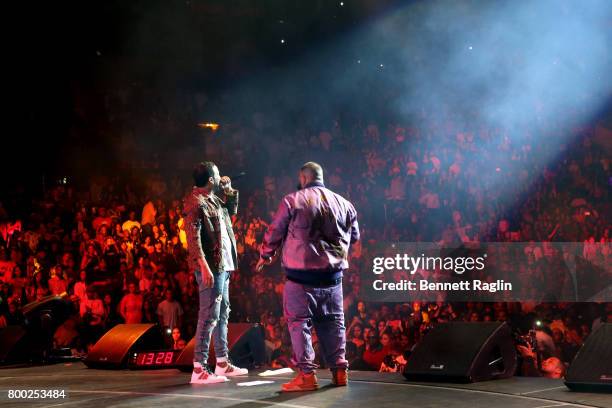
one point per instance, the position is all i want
(154, 359)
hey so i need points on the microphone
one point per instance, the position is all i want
(237, 175)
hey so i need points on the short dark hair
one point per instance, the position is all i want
(202, 172)
(313, 169)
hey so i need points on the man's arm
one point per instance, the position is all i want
(277, 230)
(193, 228)
(529, 366)
(160, 315)
(123, 308)
(231, 196)
(231, 202)
(83, 308)
(355, 235)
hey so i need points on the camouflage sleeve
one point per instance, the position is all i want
(193, 226)
(231, 202)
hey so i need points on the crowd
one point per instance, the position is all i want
(119, 251)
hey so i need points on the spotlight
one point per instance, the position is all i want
(282, 41)
(211, 126)
(538, 323)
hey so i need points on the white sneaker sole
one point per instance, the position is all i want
(216, 380)
(235, 374)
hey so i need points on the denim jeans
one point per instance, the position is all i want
(306, 306)
(212, 317)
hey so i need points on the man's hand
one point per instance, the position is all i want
(262, 262)
(226, 185)
(526, 351)
(207, 276)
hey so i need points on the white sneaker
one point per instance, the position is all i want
(204, 376)
(230, 370)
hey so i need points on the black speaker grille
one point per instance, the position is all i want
(592, 365)
(460, 352)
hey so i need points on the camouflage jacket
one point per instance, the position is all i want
(203, 227)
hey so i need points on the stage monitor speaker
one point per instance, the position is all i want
(112, 350)
(591, 369)
(34, 341)
(463, 352)
(245, 342)
(13, 345)
(49, 313)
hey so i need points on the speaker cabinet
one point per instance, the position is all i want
(34, 341)
(112, 350)
(245, 342)
(13, 345)
(591, 369)
(463, 352)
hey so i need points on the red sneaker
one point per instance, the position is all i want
(302, 382)
(339, 377)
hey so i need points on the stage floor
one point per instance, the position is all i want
(170, 388)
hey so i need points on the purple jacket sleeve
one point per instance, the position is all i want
(355, 236)
(277, 230)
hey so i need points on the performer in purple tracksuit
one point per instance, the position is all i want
(315, 226)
